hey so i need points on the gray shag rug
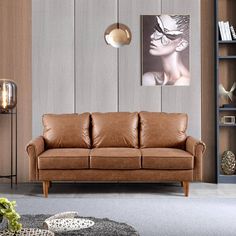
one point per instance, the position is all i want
(102, 227)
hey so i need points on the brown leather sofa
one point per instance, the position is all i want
(115, 146)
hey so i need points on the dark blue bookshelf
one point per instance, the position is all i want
(225, 73)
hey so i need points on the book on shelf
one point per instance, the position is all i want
(233, 32)
(221, 28)
(227, 32)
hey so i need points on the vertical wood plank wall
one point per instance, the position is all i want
(187, 98)
(132, 96)
(208, 89)
(15, 63)
(52, 59)
(95, 61)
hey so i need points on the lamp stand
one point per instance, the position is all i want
(13, 171)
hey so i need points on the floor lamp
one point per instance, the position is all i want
(8, 101)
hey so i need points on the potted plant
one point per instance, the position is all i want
(8, 212)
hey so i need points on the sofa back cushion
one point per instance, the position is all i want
(115, 129)
(66, 130)
(163, 130)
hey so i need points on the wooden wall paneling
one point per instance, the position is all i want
(53, 59)
(95, 61)
(133, 96)
(208, 89)
(187, 98)
(15, 64)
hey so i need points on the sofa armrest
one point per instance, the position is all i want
(34, 148)
(197, 149)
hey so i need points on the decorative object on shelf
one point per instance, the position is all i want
(228, 163)
(7, 95)
(8, 102)
(228, 120)
(117, 35)
(227, 94)
(8, 212)
(66, 221)
(28, 232)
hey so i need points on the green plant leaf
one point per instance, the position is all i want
(7, 210)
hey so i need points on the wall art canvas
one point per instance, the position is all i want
(165, 50)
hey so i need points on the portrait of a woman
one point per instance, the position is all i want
(165, 50)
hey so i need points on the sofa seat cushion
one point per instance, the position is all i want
(115, 158)
(64, 159)
(166, 159)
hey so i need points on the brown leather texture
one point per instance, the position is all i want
(196, 148)
(115, 158)
(163, 130)
(64, 158)
(166, 159)
(34, 148)
(67, 130)
(115, 129)
(117, 175)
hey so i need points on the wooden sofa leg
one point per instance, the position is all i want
(186, 188)
(45, 188)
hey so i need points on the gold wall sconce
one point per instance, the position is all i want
(117, 35)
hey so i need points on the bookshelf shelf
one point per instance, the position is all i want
(226, 42)
(225, 125)
(226, 178)
(227, 109)
(227, 57)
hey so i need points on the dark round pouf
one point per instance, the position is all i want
(102, 227)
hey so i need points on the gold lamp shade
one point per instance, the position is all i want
(117, 35)
(7, 95)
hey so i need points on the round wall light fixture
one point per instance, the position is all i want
(117, 35)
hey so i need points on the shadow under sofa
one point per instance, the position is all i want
(115, 147)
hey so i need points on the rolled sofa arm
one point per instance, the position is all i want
(197, 149)
(34, 148)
